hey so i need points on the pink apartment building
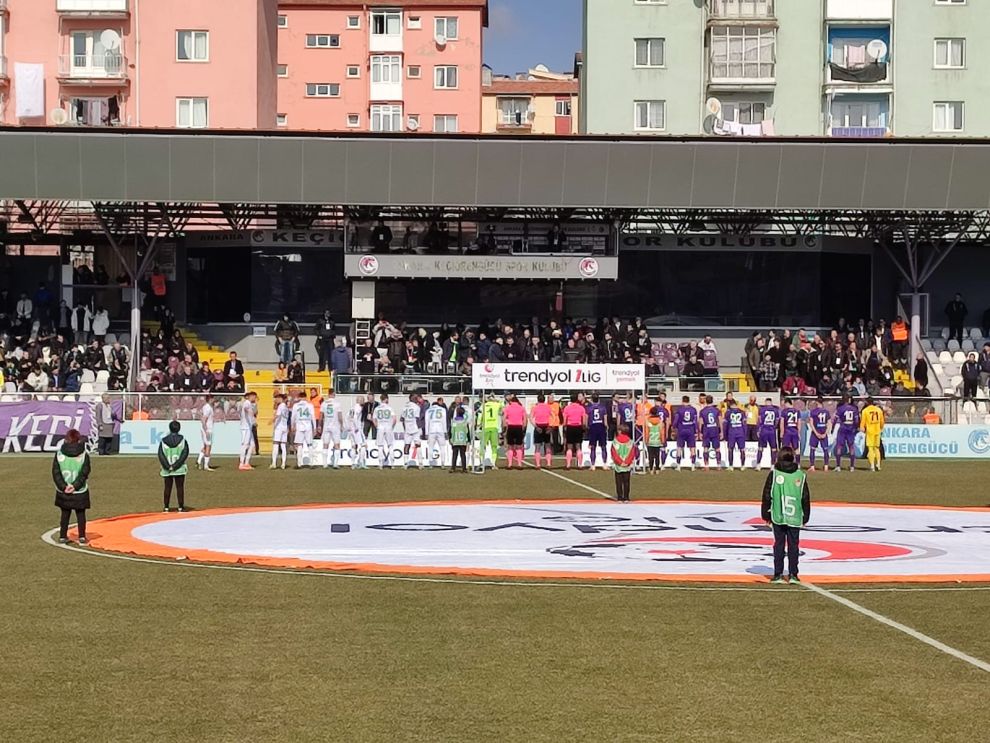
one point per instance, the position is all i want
(149, 63)
(243, 64)
(408, 65)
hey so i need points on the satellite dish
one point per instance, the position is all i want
(713, 106)
(877, 48)
(541, 68)
(58, 116)
(412, 124)
(110, 39)
(708, 125)
(441, 40)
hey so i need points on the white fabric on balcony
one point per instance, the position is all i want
(29, 86)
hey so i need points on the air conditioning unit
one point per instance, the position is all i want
(412, 124)
(441, 40)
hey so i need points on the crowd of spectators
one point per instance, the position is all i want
(858, 359)
(48, 346)
(169, 363)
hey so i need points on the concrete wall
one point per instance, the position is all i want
(800, 64)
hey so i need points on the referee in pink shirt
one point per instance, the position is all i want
(514, 416)
(575, 424)
(542, 443)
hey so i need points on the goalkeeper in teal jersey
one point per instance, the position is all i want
(786, 508)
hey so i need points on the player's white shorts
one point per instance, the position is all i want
(437, 439)
(246, 437)
(385, 438)
(304, 435)
(280, 435)
(331, 434)
(207, 437)
(357, 436)
(412, 434)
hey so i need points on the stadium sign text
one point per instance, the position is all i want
(771, 243)
(40, 425)
(540, 267)
(558, 376)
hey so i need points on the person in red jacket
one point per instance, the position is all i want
(623, 457)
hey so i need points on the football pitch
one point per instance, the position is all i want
(140, 650)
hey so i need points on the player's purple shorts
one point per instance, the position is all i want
(816, 443)
(845, 441)
(791, 439)
(710, 440)
(687, 437)
(597, 436)
(737, 440)
(767, 438)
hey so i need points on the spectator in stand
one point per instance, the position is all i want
(233, 374)
(367, 360)
(81, 324)
(101, 324)
(286, 338)
(984, 361)
(921, 371)
(296, 371)
(341, 360)
(24, 313)
(191, 351)
(971, 377)
(769, 369)
(158, 285)
(955, 312)
(43, 301)
(899, 340)
(281, 373)
(325, 332)
(707, 344)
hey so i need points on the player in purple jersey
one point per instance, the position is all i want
(597, 430)
(819, 420)
(790, 429)
(686, 425)
(768, 420)
(711, 425)
(735, 432)
(847, 420)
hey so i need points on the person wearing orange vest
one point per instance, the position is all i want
(932, 418)
(898, 340)
(555, 442)
(159, 288)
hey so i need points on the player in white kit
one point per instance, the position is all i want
(249, 417)
(412, 434)
(304, 423)
(206, 420)
(333, 423)
(355, 430)
(436, 433)
(280, 431)
(383, 419)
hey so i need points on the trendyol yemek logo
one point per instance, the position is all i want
(588, 267)
(368, 265)
(979, 441)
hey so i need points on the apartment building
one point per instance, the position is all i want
(535, 102)
(181, 63)
(839, 68)
(408, 65)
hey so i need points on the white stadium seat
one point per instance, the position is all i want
(938, 344)
(981, 408)
(950, 369)
(945, 357)
(975, 334)
(926, 344)
(88, 376)
(955, 382)
(938, 369)
(945, 334)
(86, 388)
(952, 345)
(103, 376)
(968, 345)
(969, 407)
(959, 357)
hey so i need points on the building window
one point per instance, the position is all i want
(445, 77)
(386, 118)
(743, 52)
(446, 27)
(386, 68)
(649, 52)
(386, 23)
(192, 113)
(192, 46)
(445, 123)
(322, 90)
(353, 120)
(950, 2)
(415, 72)
(649, 116)
(91, 57)
(282, 70)
(563, 108)
(354, 21)
(948, 116)
(281, 120)
(322, 41)
(415, 23)
(353, 70)
(743, 112)
(283, 21)
(950, 53)
(513, 111)
(95, 111)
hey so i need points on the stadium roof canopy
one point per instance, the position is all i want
(645, 173)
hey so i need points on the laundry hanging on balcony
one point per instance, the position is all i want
(874, 72)
(29, 87)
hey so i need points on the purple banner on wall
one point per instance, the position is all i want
(40, 425)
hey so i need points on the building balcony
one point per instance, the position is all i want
(740, 10)
(867, 77)
(858, 132)
(100, 69)
(741, 76)
(3, 69)
(3, 6)
(89, 8)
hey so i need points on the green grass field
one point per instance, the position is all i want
(111, 650)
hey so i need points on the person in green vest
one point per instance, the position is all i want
(786, 509)
(173, 451)
(70, 472)
(460, 438)
(623, 458)
(491, 426)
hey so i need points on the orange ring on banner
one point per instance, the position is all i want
(115, 534)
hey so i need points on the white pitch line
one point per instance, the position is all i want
(590, 489)
(921, 637)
